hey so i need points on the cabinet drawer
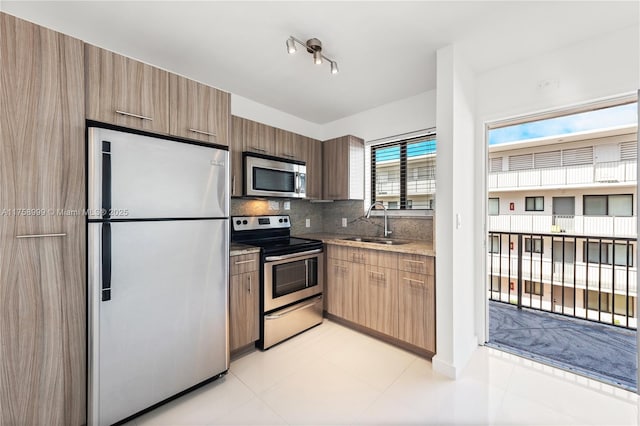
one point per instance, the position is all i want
(243, 263)
(418, 281)
(349, 254)
(416, 263)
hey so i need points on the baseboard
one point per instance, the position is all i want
(445, 368)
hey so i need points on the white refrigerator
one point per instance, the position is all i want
(158, 248)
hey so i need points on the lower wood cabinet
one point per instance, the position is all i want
(416, 303)
(389, 293)
(341, 284)
(244, 293)
(378, 300)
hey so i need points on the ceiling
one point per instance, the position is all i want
(386, 50)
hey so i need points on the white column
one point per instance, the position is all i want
(456, 236)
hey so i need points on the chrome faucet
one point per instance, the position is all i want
(384, 209)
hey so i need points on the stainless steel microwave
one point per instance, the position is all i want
(267, 176)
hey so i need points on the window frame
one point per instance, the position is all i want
(497, 199)
(534, 198)
(404, 207)
(606, 196)
(536, 249)
(606, 250)
(538, 288)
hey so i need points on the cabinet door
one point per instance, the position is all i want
(313, 157)
(198, 111)
(42, 319)
(243, 309)
(235, 152)
(123, 91)
(259, 137)
(417, 307)
(342, 289)
(335, 173)
(289, 145)
(378, 300)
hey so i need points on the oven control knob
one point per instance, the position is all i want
(280, 220)
(244, 222)
(286, 220)
(238, 222)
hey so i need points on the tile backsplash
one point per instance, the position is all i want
(414, 228)
(327, 218)
(300, 211)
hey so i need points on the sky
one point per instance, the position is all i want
(413, 149)
(591, 120)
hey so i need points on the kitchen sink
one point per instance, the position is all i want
(376, 240)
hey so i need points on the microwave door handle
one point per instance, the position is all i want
(297, 182)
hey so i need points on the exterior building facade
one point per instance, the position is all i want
(562, 224)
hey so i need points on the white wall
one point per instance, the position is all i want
(594, 69)
(406, 115)
(252, 110)
(456, 235)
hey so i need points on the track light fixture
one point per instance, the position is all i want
(313, 46)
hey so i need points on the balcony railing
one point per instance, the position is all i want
(556, 277)
(425, 186)
(615, 171)
(606, 226)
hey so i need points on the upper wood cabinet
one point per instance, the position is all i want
(126, 92)
(42, 278)
(198, 111)
(313, 158)
(343, 169)
(259, 138)
(290, 145)
(235, 152)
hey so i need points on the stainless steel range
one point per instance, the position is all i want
(291, 277)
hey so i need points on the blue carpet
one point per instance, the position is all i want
(601, 351)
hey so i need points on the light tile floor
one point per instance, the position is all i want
(333, 375)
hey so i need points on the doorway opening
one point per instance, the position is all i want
(562, 239)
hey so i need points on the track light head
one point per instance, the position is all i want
(291, 46)
(334, 67)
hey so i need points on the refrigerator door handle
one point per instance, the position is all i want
(106, 179)
(106, 262)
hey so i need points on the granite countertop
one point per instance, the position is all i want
(412, 247)
(236, 249)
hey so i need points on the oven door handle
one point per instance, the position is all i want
(296, 309)
(291, 256)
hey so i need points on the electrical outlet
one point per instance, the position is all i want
(344, 222)
(274, 205)
(307, 223)
(287, 205)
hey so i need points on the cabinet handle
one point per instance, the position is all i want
(289, 155)
(249, 283)
(414, 261)
(255, 148)
(129, 114)
(242, 262)
(344, 268)
(374, 274)
(202, 132)
(41, 235)
(233, 184)
(413, 282)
